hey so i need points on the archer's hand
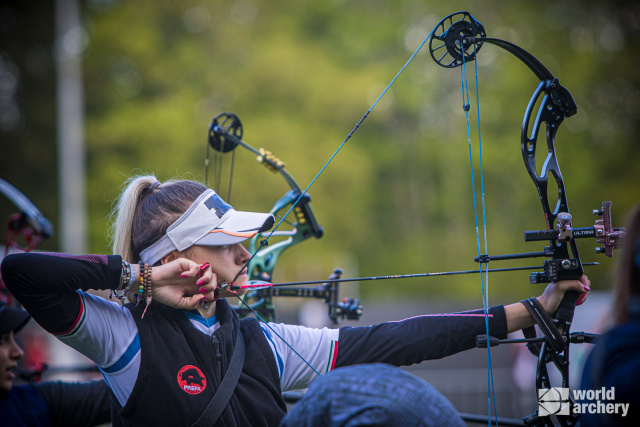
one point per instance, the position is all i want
(554, 293)
(178, 283)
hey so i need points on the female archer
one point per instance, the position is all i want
(166, 353)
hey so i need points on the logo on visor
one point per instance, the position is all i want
(215, 202)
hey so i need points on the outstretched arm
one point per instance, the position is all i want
(435, 336)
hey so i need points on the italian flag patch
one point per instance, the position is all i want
(333, 355)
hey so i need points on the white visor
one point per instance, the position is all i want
(209, 221)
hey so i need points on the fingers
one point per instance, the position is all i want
(203, 269)
(193, 301)
(190, 268)
(209, 290)
(585, 283)
(203, 272)
(582, 286)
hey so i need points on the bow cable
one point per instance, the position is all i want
(484, 275)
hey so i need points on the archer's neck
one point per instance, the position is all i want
(208, 312)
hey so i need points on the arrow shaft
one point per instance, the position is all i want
(407, 276)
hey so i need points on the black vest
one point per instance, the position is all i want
(181, 368)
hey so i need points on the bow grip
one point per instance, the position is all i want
(567, 306)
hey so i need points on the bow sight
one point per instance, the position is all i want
(225, 134)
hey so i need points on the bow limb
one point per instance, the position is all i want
(29, 223)
(32, 215)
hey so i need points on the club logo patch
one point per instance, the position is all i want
(191, 379)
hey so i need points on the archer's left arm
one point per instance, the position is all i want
(418, 338)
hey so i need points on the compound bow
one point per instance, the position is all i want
(461, 36)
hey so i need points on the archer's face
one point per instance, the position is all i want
(226, 261)
(10, 353)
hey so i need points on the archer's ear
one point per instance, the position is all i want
(170, 257)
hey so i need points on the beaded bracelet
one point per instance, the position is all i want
(141, 280)
(147, 287)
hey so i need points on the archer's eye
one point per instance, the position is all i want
(223, 247)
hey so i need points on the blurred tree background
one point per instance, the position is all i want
(397, 198)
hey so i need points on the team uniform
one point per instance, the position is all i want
(166, 366)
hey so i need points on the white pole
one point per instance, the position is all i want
(71, 39)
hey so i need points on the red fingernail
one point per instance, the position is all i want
(201, 282)
(202, 290)
(586, 288)
(185, 274)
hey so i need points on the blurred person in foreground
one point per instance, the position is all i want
(166, 355)
(48, 403)
(614, 363)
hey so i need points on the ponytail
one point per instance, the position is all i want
(144, 211)
(124, 212)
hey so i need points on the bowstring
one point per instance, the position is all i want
(484, 275)
(233, 162)
(302, 193)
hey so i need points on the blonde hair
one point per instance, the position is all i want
(145, 209)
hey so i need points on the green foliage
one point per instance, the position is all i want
(397, 198)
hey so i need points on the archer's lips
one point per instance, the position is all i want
(10, 374)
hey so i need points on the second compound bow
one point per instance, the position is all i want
(225, 135)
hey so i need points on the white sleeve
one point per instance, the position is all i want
(103, 332)
(319, 347)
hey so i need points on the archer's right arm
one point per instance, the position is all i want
(46, 284)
